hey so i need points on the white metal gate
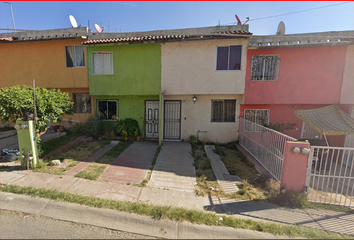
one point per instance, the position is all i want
(308, 132)
(172, 118)
(331, 176)
(152, 119)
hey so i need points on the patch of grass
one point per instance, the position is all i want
(114, 152)
(92, 171)
(71, 157)
(51, 145)
(148, 176)
(173, 213)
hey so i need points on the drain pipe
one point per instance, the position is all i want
(199, 132)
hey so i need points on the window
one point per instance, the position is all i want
(223, 110)
(82, 102)
(102, 63)
(75, 56)
(108, 109)
(228, 58)
(255, 117)
(265, 67)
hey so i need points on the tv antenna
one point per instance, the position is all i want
(12, 14)
(238, 20)
(73, 21)
(98, 28)
(281, 28)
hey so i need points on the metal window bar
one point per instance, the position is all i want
(331, 176)
(265, 67)
(265, 145)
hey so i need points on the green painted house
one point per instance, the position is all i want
(125, 80)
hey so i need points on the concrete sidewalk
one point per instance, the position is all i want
(174, 168)
(320, 219)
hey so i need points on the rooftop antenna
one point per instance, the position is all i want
(98, 28)
(238, 20)
(73, 21)
(281, 28)
(247, 18)
(12, 14)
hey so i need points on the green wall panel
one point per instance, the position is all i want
(136, 70)
(130, 107)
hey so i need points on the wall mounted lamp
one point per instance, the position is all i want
(194, 99)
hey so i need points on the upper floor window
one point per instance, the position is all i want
(265, 67)
(82, 102)
(75, 56)
(223, 110)
(102, 63)
(228, 58)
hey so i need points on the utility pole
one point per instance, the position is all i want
(12, 14)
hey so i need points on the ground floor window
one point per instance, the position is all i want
(257, 116)
(223, 110)
(82, 102)
(108, 109)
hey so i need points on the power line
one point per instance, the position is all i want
(300, 11)
(311, 9)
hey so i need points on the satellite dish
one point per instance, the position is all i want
(73, 21)
(281, 28)
(98, 28)
(238, 20)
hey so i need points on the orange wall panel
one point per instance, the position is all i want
(44, 61)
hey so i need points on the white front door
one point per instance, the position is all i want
(152, 119)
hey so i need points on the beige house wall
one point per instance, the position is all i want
(347, 93)
(190, 68)
(197, 117)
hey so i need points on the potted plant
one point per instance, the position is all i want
(137, 134)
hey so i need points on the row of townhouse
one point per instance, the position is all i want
(186, 81)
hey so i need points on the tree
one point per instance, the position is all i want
(50, 103)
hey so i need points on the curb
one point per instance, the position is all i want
(122, 221)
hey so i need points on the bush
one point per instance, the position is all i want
(128, 127)
(192, 139)
(94, 128)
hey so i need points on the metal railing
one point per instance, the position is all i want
(331, 176)
(265, 145)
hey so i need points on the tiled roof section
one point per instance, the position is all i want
(166, 37)
(6, 39)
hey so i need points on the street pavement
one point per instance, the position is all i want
(155, 194)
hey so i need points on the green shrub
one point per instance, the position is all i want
(94, 128)
(128, 127)
(192, 139)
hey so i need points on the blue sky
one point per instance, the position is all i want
(128, 16)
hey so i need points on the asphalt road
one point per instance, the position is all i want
(27, 226)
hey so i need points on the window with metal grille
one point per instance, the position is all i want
(265, 67)
(75, 56)
(228, 58)
(255, 116)
(82, 102)
(223, 110)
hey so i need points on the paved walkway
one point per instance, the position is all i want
(174, 168)
(132, 165)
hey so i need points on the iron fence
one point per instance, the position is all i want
(265, 145)
(331, 176)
